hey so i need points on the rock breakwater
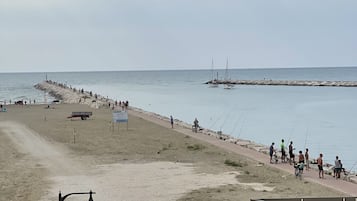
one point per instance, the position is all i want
(313, 83)
(72, 95)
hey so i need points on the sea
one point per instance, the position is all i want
(323, 119)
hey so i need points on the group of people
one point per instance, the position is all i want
(123, 104)
(19, 102)
(303, 159)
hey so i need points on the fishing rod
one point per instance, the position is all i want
(350, 170)
(307, 132)
(291, 133)
(220, 116)
(224, 122)
(214, 123)
(236, 123)
(241, 128)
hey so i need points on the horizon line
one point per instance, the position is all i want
(184, 69)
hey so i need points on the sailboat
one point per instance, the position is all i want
(214, 83)
(228, 84)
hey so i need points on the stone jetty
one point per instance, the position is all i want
(68, 94)
(313, 83)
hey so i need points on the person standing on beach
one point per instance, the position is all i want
(271, 152)
(172, 121)
(338, 169)
(291, 153)
(319, 165)
(301, 157)
(283, 154)
(307, 159)
(335, 168)
(195, 124)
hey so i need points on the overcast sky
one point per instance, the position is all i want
(87, 35)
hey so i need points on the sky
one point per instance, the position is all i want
(95, 35)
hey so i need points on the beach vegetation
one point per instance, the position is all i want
(234, 163)
(195, 147)
(167, 147)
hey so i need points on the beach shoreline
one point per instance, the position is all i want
(58, 90)
(97, 101)
(55, 153)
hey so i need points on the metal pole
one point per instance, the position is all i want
(90, 195)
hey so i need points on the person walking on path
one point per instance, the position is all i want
(172, 121)
(319, 164)
(307, 162)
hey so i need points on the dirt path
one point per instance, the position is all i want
(126, 181)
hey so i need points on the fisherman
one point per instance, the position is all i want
(283, 154)
(195, 124)
(172, 121)
(338, 169)
(301, 157)
(291, 154)
(335, 168)
(320, 166)
(271, 152)
(307, 159)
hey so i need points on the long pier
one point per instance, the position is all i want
(314, 83)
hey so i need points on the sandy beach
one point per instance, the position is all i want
(44, 152)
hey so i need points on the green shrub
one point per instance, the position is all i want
(195, 147)
(234, 163)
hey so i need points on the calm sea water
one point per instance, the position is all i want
(320, 118)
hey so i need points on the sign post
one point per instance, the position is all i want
(120, 117)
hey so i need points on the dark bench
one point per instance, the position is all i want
(82, 115)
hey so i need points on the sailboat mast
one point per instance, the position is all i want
(226, 73)
(212, 70)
